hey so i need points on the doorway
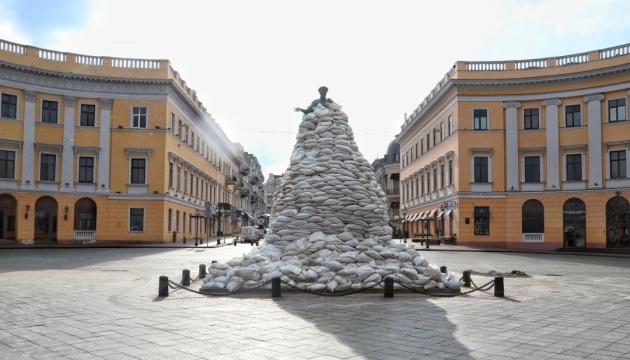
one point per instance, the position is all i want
(574, 223)
(46, 218)
(617, 222)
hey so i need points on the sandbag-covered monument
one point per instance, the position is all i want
(329, 229)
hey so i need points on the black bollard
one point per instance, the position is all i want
(163, 289)
(275, 287)
(251, 242)
(186, 277)
(234, 242)
(427, 244)
(443, 269)
(218, 241)
(202, 271)
(196, 244)
(498, 286)
(388, 290)
(256, 243)
(184, 239)
(466, 278)
(214, 261)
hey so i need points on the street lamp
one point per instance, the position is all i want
(404, 212)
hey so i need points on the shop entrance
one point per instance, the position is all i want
(617, 222)
(574, 223)
(46, 218)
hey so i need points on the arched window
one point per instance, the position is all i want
(618, 222)
(533, 216)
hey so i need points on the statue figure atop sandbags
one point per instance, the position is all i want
(322, 100)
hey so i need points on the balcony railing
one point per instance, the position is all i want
(533, 237)
(231, 180)
(84, 234)
(392, 191)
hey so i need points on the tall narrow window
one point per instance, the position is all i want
(618, 164)
(442, 179)
(138, 169)
(185, 182)
(574, 167)
(49, 111)
(481, 169)
(179, 129)
(533, 217)
(531, 119)
(435, 182)
(48, 165)
(170, 220)
(179, 178)
(136, 219)
(139, 117)
(9, 106)
(532, 168)
(86, 169)
(442, 131)
(450, 124)
(450, 172)
(88, 115)
(480, 119)
(173, 123)
(170, 175)
(482, 220)
(421, 146)
(429, 142)
(616, 110)
(177, 220)
(7, 164)
(573, 115)
(422, 184)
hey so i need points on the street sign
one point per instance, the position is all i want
(450, 205)
(208, 209)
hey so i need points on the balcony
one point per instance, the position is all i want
(253, 198)
(244, 193)
(83, 235)
(244, 170)
(231, 180)
(392, 192)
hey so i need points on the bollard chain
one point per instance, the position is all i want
(179, 286)
(321, 293)
(491, 282)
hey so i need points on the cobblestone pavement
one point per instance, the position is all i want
(102, 303)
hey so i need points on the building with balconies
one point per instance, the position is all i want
(528, 154)
(387, 174)
(269, 188)
(106, 149)
(249, 189)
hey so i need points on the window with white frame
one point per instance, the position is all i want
(442, 177)
(47, 167)
(531, 119)
(8, 107)
(421, 146)
(139, 117)
(442, 131)
(435, 180)
(573, 115)
(86, 169)
(573, 167)
(173, 123)
(170, 220)
(136, 219)
(50, 111)
(138, 171)
(532, 168)
(480, 119)
(450, 125)
(7, 164)
(617, 110)
(481, 170)
(88, 115)
(618, 164)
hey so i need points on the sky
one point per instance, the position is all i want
(252, 62)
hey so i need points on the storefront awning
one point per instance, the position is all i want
(249, 215)
(430, 216)
(414, 217)
(440, 214)
(448, 212)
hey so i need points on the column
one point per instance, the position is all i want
(28, 148)
(511, 144)
(67, 154)
(553, 149)
(595, 160)
(102, 182)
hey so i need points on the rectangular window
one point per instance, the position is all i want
(481, 169)
(573, 115)
(7, 164)
(139, 117)
(435, 136)
(618, 164)
(616, 110)
(179, 129)
(177, 220)
(170, 175)
(184, 223)
(442, 179)
(450, 172)
(442, 131)
(421, 184)
(138, 170)
(49, 111)
(421, 146)
(88, 115)
(9, 106)
(532, 168)
(170, 220)
(450, 124)
(428, 181)
(429, 142)
(417, 153)
(435, 182)
(47, 167)
(136, 219)
(86, 169)
(192, 140)
(173, 123)
(480, 119)
(482, 220)
(531, 119)
(574, 167)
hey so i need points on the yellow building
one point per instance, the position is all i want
(108, 150)
(528, 154)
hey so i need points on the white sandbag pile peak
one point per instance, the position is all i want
(329, 228)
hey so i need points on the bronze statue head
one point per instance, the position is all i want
(322, 91)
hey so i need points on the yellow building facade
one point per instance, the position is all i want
(108, 150)
(527, 154)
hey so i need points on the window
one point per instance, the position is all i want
(179, 178)
(435, 137)
(429, 142)
(417, 154)
(48, 164)
(616, 110)
(482, 220)
(573, 115)
(179, 129)
(618, 164)
(421, 146)
(170, 175)
(428, 181)
(9, 106)
(531, 119)
(138, 169)
(184, 224)
(450, 172)
(7, 164)
(170, 220)
(185, 182)
(533, 217)
(139, 117)
(173, 123)
(136, 219)
(86, 169)
(450, 125)
(49, 111)
(480, 119)
(422, 184)
(192, 140)
(442, 131)
(574, 167)
(481, 169)
(88, 115)
(435, 183)
(442, 176)
(532, 168)
(177, 220)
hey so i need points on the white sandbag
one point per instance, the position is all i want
(430, 285)
(421, 280)
(294, 269)
(402, 278)
(375, 277)
(245, 272)
(410, 273)
(213, 285)
(317, 287)
(331, 286)
(333, 265)
(221, 279)
(453, 284)
(219, 266)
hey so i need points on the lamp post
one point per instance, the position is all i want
(404, 212)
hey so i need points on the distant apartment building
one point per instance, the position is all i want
(110, 150)
(528, 154)
(387, 174)
(269, 188)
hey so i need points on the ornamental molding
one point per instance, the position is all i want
(548, 102)
(30, 96)
(69, 100)
(106, 104)
(594, 97)
(511, 104)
